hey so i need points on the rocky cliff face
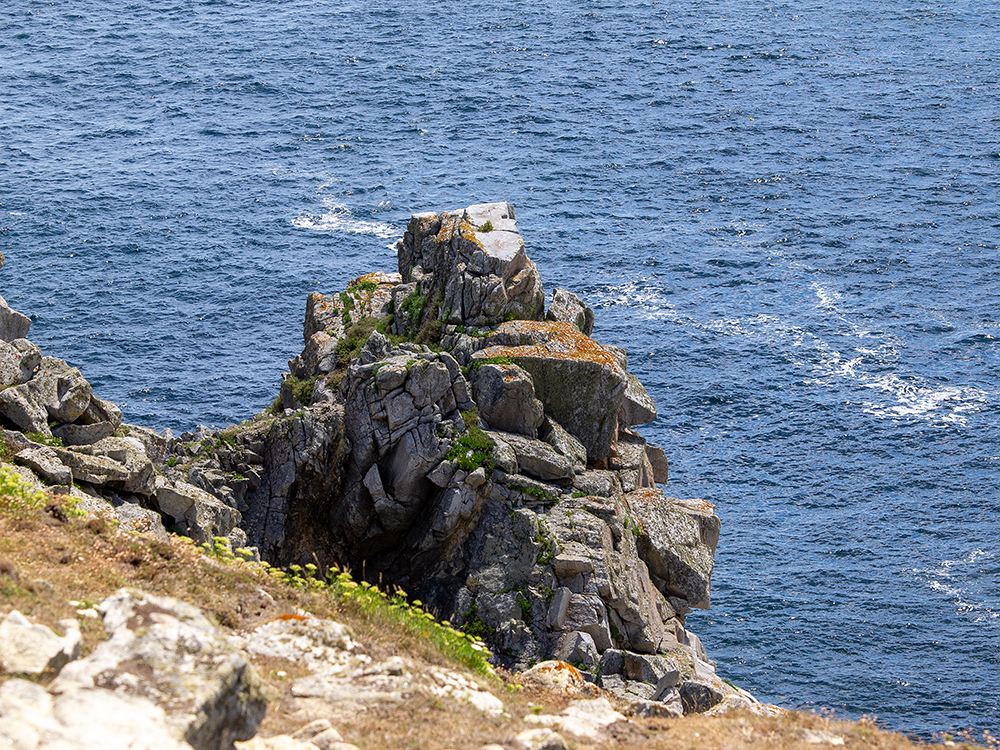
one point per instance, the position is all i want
(442, 432)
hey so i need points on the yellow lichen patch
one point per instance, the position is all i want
(319, 301)
(558, 340)
(468, 232)
(647, 496)
(376, 277)
(695, 505)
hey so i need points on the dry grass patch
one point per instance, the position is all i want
(49, 559)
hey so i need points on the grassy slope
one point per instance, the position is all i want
(48, 559)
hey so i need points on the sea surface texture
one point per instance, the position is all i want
(787, 212)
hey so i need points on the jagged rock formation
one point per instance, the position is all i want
(440, 431)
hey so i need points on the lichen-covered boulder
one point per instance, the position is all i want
(470, 266)
(13, 325)
(61, 389)
(579, 381)
(18, 361)
(31, 648)
(569, 308)
(678, 540)
(167, 651)
(200, 514)
(506, 399)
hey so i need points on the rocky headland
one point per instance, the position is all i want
(441, 431)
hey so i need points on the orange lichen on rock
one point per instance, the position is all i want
(290, 616)
(556, 340)
(654, 495)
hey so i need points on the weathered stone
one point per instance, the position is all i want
(506, 399)
(200, 514)
(658, 671)
(658, 461)
(44, 462)
(18, 361)
(480, 273)
(586, 612)
(156, 445)
(559, 677)
(699, 696)
(637, 406)
(100, 410)
(568, 565)
(568, 308)
(18, 404)
(312, 729)
(579, 382)
(672, 709)
(13, 325)
(678, 543)
(158, 648)
(577, 647)
(30, 648)
(93, 469)
(540, 739)
(427, 383)
(133, 517)
(536, 458)
(587, 719)
(553, 434)
(612, 661)
(61, 389)
(81, 720)
(133, 471)
(83, 434)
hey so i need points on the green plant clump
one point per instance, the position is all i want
(302, 390)
(474, 448)
(364, 285)
(413, 309)
(16, 494)
(49, 440)
(548, 547)
(354, 339)
(487, 227)
(536, 492)
(477, 363)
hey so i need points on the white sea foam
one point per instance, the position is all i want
(956, 579)
(338, 218)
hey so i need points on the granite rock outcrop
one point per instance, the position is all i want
(440, 431)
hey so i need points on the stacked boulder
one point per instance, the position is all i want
(75, 443)
(443, 432)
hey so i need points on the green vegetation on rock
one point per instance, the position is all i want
(474, 449)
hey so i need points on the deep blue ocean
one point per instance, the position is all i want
(786, 212)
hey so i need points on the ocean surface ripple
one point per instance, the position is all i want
(787, 213)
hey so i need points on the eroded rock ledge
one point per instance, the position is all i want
(441, 431)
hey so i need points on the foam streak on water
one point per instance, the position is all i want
(787, 213)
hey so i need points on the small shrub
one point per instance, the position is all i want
(302, 390)
(487, 227)
(548, 546)
(350, 346)
(412, 308)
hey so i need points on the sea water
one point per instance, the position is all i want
(787, 212)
